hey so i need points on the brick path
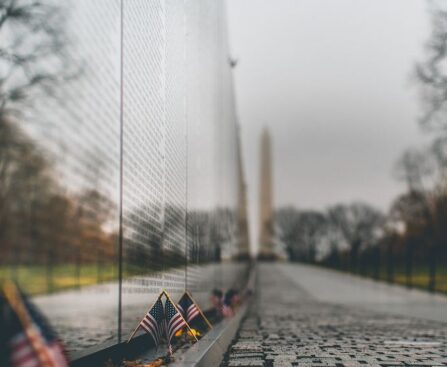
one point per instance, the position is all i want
(286, 326)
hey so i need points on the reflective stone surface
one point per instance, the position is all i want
(121, 151)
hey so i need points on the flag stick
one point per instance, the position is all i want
(138, 326)
(201, 313)
(187, 325)
(15, 301)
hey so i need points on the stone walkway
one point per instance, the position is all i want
(286, 326)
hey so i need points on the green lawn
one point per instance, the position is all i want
(41, 280)
(419, 279)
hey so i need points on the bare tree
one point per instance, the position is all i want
(286, 223)
(301, 232)
(32, 52)
(359, 224)
(415, 168)
(24, 173)
(424, 208)
(312, 226)
(411, 210)
(432, 75)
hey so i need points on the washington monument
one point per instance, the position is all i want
(244, 236)
(266, 199)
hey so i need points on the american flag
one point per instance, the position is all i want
(31, 345)
(174, 320)
(188, 308)
(153, 321)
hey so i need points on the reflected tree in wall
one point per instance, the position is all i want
(32, 52)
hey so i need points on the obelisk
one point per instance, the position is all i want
(266, 250)
(244, 234)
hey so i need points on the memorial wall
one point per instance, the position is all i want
(118, 159)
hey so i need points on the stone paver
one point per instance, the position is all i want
(286, 326)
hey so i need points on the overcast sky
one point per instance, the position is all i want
(332, 81)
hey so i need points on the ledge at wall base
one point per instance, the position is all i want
(211, 349)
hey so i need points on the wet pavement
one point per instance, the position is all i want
(306, 316)
(342, 288)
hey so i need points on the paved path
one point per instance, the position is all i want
(343, 288)
(305, 316)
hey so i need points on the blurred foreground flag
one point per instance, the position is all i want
(26, 338)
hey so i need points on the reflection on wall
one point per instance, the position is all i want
(93, 91)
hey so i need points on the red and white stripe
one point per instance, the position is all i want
(180, 308)
(192, 313)
(150, 325)
(22, 352)
(175, 324)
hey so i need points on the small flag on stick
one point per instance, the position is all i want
(160, 321)
(190, 310)
(153, 322)
(174, 321)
